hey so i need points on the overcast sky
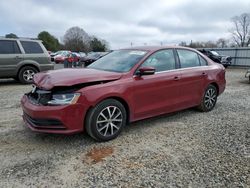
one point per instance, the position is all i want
(121, 22)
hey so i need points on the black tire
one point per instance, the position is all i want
(26, 74)
(107, 128)
(209, 99)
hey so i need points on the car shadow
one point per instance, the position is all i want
(84, 139)
(60, 139)
(5, 82)
(169, 117)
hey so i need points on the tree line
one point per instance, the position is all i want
(75, 39)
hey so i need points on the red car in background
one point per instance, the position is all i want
(60, 56)
(123, 86)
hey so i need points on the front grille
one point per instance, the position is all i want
(44, 123)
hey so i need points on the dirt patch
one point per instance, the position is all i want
(96, 155)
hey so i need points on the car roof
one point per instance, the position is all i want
(21, 39)
(155, 48)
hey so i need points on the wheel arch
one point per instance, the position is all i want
(27, 65)
(216, 86)
(121, 100)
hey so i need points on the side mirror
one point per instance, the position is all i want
(145, 71)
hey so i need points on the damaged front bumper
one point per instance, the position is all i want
(65, 119)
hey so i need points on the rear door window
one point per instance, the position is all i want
(9, 47)
(31, 47)
(203, 62)
(188, 58)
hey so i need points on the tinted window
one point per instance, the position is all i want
(119, 61)
(162, 60)
(188, 58)
(9, 47)
(31, 47)
(203, 62)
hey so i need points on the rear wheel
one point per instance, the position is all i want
(209, 99)
(106, 120)
(26, 74)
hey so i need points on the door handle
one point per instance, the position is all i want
(204, 73)
(176, 78)
(18, 57)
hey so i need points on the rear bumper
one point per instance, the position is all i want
(222, 88)
(66, 119)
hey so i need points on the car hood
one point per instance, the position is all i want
(69, 77)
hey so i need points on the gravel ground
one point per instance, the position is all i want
(183, 149)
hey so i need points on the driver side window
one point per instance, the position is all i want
(161, 60)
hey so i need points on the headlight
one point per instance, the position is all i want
(63, 99)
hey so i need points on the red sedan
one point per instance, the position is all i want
(124, 86)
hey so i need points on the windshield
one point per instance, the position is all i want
(119, 61)
(214, 53)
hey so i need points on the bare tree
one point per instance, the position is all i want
(76, 39)
(209, 44)
(222, 43)
(241, 30)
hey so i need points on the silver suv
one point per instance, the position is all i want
(22, 58)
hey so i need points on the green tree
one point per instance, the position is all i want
(98, 45)
(11, 35)
(49, 41)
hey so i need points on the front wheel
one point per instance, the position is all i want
(209, 99)
(105, 121)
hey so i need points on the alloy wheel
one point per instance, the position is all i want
(109, 121)
(28, 75)
(210, 98)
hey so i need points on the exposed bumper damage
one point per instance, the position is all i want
(41, 116)
(53, 119)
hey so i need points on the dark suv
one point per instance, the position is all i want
(22, 58)
(216, 57)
